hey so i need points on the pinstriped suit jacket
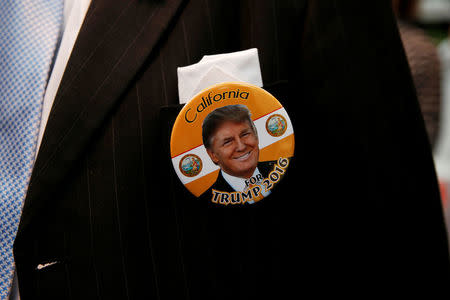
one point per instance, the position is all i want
(106, 218)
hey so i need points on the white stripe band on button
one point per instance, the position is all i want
(265, 139)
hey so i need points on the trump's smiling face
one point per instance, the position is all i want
(234, 147)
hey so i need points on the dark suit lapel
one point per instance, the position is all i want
(114, 42)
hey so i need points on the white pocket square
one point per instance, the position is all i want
(213, 69)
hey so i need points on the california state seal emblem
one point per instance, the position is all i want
(276, 125)
(191, 165)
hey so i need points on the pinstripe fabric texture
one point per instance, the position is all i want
(106, 207)
(116, 183)
(29, 35)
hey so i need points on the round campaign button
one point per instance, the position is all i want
(232, 143)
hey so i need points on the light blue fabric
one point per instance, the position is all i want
(29, 34)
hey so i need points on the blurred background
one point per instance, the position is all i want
(424, 27)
